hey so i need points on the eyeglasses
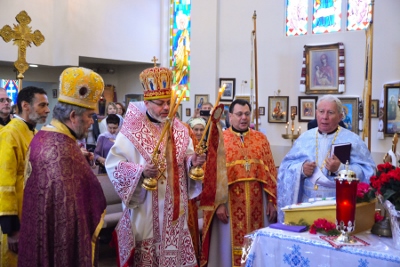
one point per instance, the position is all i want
(162, 104)
(240, 114)
(329, 112)
(2, 100)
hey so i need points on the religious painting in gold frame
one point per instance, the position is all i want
(199, 100)
(261, 111)
(278, 107)
(350, 113)
(391, 110)
(322, 69)
(374, 108)
(307, 106)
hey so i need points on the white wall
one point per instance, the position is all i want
(117, 29)
(227, 25)
(220, 47)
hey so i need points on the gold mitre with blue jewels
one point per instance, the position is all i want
(156, 83)
(80, 87)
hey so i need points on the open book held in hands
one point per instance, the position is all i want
(341, 151)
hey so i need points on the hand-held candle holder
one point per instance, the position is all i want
(346, 196)
(151, 183)
(197, 173)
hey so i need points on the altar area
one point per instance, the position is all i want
(272, 247)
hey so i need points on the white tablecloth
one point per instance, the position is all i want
(272, 247)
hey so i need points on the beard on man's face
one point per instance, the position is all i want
(36, 118)
(81, 130)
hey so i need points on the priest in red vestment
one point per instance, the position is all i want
(251, 201)
(64, 204)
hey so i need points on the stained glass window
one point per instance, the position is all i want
(326, 16)
(180, 33)
(296, 17)
(358, 14)
(11, 87)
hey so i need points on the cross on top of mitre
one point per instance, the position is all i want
(154, 60)
(23, 37)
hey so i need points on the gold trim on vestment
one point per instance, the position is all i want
(59, 127)
(96, 234)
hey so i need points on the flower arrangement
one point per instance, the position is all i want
(324, 227)
(386, 182)
(365, 193)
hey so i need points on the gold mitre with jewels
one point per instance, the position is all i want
(80, 87)
(156, 83)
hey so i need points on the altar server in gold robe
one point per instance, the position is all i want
(14, 141)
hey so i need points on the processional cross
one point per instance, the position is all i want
(23, 37)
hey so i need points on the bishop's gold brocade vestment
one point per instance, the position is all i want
(251, 171)
(15, 138)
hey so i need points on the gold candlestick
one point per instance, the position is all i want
(291, 136)
(151, 183)
(197, 173)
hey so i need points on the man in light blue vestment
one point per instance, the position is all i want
(309, 169)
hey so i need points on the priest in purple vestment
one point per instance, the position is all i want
(64, 204)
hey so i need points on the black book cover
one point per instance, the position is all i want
(342, 152)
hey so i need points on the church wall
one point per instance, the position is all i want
(280, 57)
(220, 47)
(118, 29)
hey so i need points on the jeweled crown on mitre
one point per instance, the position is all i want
(156, 83)
(80, 87)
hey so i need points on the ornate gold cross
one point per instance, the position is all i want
(23, 37)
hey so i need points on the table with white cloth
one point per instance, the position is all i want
(272, 247)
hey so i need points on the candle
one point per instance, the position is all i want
(286, 129)
(299, 129)
(220, 92)
(179, 101)
(173, 99)
(167, 124)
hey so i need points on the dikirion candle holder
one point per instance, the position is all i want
(346, 201)
(293, 136)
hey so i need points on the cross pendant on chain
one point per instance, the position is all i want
(246, 164)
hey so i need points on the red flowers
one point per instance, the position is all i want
(362, 189)
(364, 193)
(324, 227)
(387, 183)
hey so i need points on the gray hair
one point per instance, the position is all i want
(62, 111)
(332, 98)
